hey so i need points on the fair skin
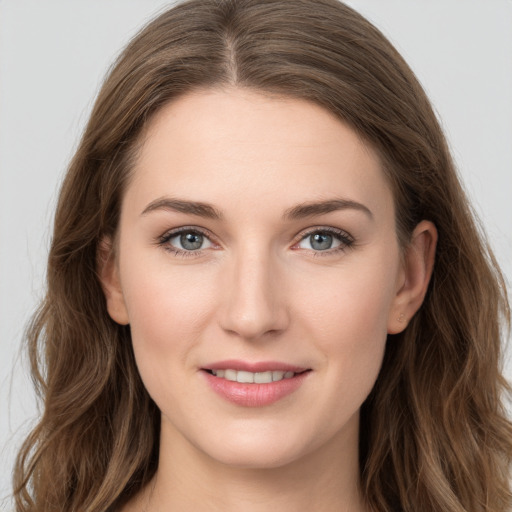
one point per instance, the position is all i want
(257, 278)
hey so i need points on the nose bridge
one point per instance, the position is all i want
(254, 303)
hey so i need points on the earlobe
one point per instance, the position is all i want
(418, 264)
(108, 273)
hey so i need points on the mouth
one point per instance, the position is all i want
(247, 377)
(254, 384)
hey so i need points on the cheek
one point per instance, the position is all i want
(168, 308)
(353, 301)
(345, 314)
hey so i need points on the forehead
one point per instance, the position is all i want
(239, 146)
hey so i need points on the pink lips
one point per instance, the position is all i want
(252, 394)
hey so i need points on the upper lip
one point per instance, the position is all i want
(254, 367)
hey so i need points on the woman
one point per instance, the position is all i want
(265, 288)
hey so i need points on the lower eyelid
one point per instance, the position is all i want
(342, 236)
(345, 241)
(164, 241)
(180, 253)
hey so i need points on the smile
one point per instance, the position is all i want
(253, 377)
(254, 384)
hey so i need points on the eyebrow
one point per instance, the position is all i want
(182, 206)
(311, 209)
(303, 210)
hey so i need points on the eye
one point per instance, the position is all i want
(320, 241)
(325, 240)
(185, 240)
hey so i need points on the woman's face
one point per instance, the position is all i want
(257, 242)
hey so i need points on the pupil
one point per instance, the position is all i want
(321, 241)
(191, 241)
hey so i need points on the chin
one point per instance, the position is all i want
(262, 447)
(257, 456)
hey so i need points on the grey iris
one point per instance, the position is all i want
(191, 241)
(321, 241)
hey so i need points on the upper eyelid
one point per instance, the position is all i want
(297, 238)
(319, 229)
(176, 231)
(163, 241)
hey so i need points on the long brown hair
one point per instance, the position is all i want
(434, 434)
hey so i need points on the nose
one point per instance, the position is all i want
(255, 298)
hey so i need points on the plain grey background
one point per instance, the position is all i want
(53, 55)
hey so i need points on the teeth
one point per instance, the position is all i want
(263, 377)
(277, 375)
(230, 374)
(250, 377)
(246, 377)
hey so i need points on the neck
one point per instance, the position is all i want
(325, 480)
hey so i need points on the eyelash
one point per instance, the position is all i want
(163, 241)
(345, 239)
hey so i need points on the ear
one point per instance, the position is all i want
(108, 272)
(414, 276)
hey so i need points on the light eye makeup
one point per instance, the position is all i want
(324, 241)
(192, 241)
(186, 241)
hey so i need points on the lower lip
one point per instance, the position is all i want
(254, 395)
